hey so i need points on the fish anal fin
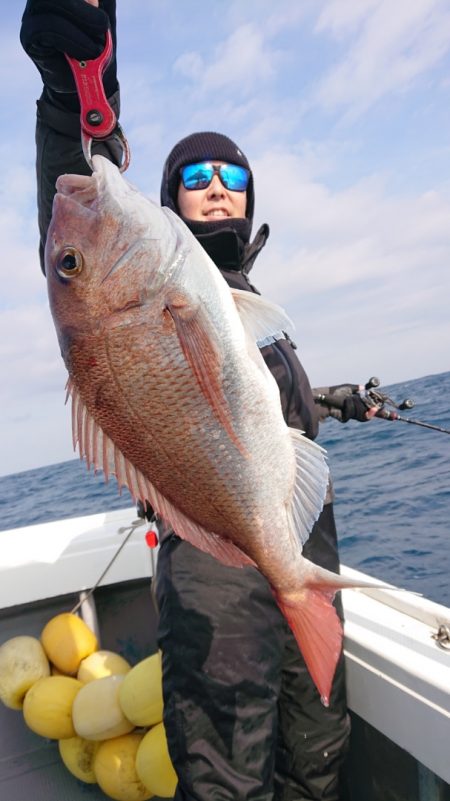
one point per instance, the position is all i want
(318, 633)
(201, 352)
(99, 451)
(223, 550)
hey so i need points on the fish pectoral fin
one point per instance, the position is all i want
(259, 317)
(201, 350)
(310, 486)
(318, 633)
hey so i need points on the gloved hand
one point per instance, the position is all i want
(356, 408)
(344, 403)
(51, 28)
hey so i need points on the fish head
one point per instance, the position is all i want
(108, 252)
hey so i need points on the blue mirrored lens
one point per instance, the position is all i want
(234, 177)
(200, 175)
(197, 176)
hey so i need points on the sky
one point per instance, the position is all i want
(343, 109)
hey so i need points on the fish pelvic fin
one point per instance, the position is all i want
(310, 486)
(318, 633)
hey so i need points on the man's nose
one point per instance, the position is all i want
(216, 187)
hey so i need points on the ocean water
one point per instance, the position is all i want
(392, 483)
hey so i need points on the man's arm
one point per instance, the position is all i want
(51, 28)
(58, 151)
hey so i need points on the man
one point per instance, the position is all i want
(243, 718)
(241, 710)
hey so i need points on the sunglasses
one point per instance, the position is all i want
(200, 175)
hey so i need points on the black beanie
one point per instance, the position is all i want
(203, 146)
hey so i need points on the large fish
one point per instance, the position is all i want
(170, 393)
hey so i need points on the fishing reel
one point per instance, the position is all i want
(381, 399)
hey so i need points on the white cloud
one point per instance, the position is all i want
(34, 424)
(396, 43)
(362, 271)
(344, 16)
(238, 63)
(189, 65)
(37, 432)
(307, 209)
(29, 353)
(23, 77)
(20, 275)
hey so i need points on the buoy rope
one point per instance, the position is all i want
(134, 525)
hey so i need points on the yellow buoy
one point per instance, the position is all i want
(22, 663)
(100, 664)
(115, 769)
(97, 714)
(47, 707)
(78, 756)
(153, 763)
(141, 695)
(67, 640)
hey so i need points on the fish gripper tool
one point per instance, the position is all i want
(98, 120)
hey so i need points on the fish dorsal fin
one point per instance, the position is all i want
(101, 453)
(311, 480)
(259, 317)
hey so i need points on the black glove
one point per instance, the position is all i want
(51, 28)
(354, 408)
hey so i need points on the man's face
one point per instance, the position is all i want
(213, 203)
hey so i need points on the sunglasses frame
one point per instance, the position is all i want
(216, 170)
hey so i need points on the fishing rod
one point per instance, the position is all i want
(370, 394)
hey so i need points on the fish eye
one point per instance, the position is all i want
(69, 262)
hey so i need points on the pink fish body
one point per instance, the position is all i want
(170, 393)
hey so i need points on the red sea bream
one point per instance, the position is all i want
(170, 393)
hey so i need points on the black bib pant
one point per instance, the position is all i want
(242, 715)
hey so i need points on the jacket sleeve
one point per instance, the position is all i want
(324, 411)
(59, 151)
(297, 401)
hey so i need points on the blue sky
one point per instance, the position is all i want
(343, 109)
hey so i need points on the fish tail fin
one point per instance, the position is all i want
(315, 622)
(318, 632)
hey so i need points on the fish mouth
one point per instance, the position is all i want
(87, 189)
(81, 188)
